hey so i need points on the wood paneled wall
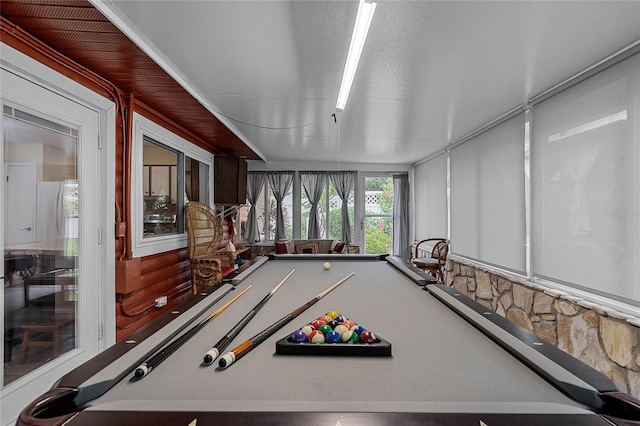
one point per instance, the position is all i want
(166, 274)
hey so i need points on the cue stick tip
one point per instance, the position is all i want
(211, 356)
(227, 359)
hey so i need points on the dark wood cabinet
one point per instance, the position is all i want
(230, 186)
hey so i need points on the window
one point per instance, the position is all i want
(431, 201)
(168, 172)
(487, 196)
(585, 184)
(160, 182)
(329, 212)
(267, 211)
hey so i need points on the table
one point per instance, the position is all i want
(65, 278)
(453, 362)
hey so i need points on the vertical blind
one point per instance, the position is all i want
(487, 196)
(586, 183)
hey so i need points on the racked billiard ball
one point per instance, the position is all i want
(339, 319)
(317, 323)
(299, 336)
(307, 329)
(367, 337)
(332, 314)
(325, 328)
(357, 329)
(316, 336)
(326, 318)
(350, 337)
(333, 337)
(341, 328)
(349, 324)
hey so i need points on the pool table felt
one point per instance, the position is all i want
(439, 361)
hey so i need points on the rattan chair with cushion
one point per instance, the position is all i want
(204, 232)
(435, 263)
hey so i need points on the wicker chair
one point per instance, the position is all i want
(435, 263)
(204, 233)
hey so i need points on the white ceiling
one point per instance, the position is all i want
(431, 71)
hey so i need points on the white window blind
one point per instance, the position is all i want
(586, 184)
(431, 198)
(487, 196)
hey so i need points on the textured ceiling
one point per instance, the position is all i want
(431, 71)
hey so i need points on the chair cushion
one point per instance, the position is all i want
(426, 261)
(281, 247)
(285, 247)
(337, 246)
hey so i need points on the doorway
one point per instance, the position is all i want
(377, 222)
(52, 298)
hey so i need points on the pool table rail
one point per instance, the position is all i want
(601, 400)
(573, 377)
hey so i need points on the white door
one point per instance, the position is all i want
(54, 279)
(20, 188)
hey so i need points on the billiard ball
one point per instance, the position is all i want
(357, 329)
(316, 336)
(307, 329)
(332, 314)
(334, 324)
(317, 323)
(367, 337)
(325, 328)
(350, 337)
(349, 324)
(333, 337)
(339, 319)
(326, 318)
(299, 336)
(341, 328)
(326, 266)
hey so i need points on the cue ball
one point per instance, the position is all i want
(327, 266)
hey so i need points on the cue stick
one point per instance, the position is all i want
(151, 363)
(213, 353)
(242, 349)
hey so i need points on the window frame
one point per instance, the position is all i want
(142, 126)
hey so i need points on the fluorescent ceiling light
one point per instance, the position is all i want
(360, 30)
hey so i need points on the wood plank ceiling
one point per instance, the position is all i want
(81, 33)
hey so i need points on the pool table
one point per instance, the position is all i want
(452, 361)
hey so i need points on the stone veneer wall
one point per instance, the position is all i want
(607, 340)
